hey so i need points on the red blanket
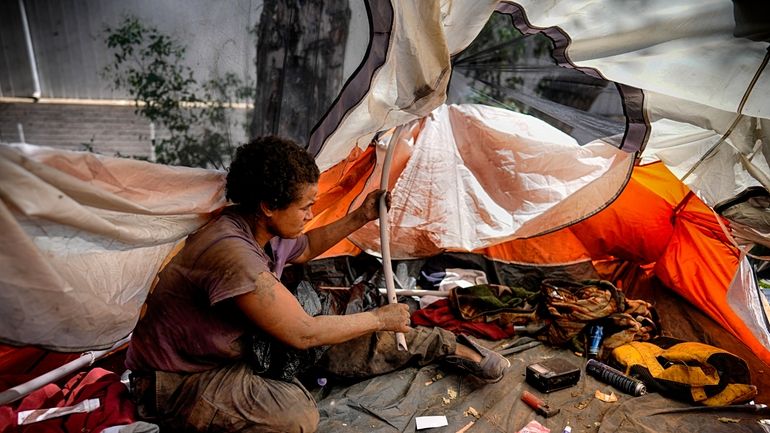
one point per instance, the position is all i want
(440, 314)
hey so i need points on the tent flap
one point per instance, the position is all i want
(83, 236)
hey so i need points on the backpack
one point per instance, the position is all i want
(570, 307)
(687, 371)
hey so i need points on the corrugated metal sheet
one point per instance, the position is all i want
(68, 38)
(15, 75)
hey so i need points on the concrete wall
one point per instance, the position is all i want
(106, 129)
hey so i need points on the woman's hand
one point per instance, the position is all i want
(393, 317)
(371, 206)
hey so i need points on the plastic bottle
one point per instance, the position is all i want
(595, 341)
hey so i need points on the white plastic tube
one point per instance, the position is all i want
(406, 292)
(36, 92)
(12, 394)
(385, 233)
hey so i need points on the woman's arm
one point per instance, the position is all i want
(272, 308)
(323, 238)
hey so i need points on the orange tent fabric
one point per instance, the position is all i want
(656, 223)
(659, 221)
(338, 187)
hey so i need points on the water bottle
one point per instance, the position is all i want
(595, 341)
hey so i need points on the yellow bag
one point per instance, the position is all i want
(688, 371)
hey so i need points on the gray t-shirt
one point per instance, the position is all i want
(187, 327)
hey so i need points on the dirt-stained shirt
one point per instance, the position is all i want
(187, 327)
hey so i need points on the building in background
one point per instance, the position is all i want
(53, 53)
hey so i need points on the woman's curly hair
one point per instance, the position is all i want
(271, 170)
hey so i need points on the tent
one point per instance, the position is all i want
(84, 235)
(665, 63)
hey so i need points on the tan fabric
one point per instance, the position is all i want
(636, 322)
(226, 399)
(378, 353)
(572, 305)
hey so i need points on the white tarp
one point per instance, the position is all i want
(82, 239)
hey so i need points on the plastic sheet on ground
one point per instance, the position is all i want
(391, 402)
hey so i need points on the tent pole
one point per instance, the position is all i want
(385, 233)
(737, 119)
(406, 292)
(12, 394)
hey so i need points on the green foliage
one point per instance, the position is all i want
(150, 66)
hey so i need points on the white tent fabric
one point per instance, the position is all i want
(696, 79)
(681, 48)
(479, 175)
(681, 145)
(747, 302)
(700, 83)
(82, 239)
(413, 80)
(684, 49)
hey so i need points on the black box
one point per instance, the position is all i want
(552, 374)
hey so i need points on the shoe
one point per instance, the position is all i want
(491, 368)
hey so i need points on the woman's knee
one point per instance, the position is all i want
(302, 418)
(288, 406)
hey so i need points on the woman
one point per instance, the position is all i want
(189, 353)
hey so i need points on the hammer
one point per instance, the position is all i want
(540, 407)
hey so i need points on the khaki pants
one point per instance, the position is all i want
(232, 398)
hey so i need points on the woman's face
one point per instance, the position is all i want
(288, 223)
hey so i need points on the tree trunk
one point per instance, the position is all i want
(300, 58)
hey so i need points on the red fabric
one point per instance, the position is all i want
(20, 364)
(440, 314)
(115, 406)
